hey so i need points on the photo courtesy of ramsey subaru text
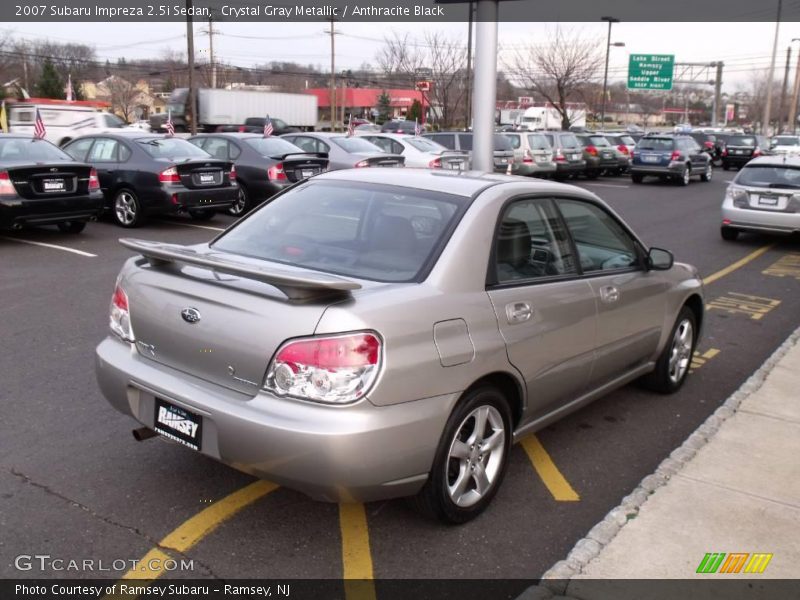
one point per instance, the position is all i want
(366, 334)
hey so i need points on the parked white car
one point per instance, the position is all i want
(419, 152)
(785, 144)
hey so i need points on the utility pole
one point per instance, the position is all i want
(190, 49)
(717, 93)
(332, 91)
(610, 20)
(468, 111)
(211, 52)
(783, 88)
(793, 105)
(25, 65)
(767, 107)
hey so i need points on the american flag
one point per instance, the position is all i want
(417, 128)
(39, 130)
(351, 127)
(168, 125)
(268, 129)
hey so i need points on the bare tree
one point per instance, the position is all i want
(438, 59)
(123, 96)
(558, 70)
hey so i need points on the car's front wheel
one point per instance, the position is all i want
(674, 361)
(471, 458)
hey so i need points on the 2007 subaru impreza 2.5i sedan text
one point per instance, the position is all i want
(375, 333)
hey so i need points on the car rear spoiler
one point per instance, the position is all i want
(288, 154)
(296, 286)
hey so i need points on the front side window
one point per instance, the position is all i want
(367, 231)
(602, 243)
(79, 148)
(531, 243)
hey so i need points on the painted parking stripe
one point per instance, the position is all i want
(548, 471)
(356, 556)
(190, 532)
(738, 264)
(53, 246)
(608, 185)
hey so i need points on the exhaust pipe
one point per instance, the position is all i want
(143, 433)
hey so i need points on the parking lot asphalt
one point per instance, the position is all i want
(75, 485)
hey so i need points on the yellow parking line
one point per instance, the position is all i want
(548, 471)
(356, 555)
(738, 264)
(199, 526)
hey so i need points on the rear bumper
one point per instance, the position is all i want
(177, 198)
(760, 220)
(347, 453)
(736, 160)
(536, 168)
(18, 212)
(570, 167)
(673, 169)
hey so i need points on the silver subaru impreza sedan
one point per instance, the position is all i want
(376, 333)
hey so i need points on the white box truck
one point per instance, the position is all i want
(217, 108)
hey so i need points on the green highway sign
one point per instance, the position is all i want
(650, 71)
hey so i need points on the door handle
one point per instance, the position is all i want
(518, 312)
(609, 294)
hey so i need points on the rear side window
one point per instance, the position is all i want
(367, 231)
(448, 140)
(466, 141)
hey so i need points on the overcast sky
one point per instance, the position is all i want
(744, 47)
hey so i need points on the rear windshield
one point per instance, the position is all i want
(567, 141)
(355, 144)
(784, 141)
(650, 143)
(769, 176)
(171, 148)
(424, 145)
(30, 149)
(594, 140)
(514, 140)
(501, 142)
(271, 146)
(366, 231)
(538, 142)
(742, 140)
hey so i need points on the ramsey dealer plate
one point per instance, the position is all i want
(178, 424)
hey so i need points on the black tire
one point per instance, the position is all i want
(126, 210)
(72, 226)
(726, 166)
(729, 234)
(707, 174)
(243, 203)
(205, 214)
(685, 177)
(663, 378)
(637, 178)
(592, 174)
(434, 499)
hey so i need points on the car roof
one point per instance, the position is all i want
(460, 183)
(239, 135)
(781, 160)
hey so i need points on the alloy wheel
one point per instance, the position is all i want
(125, 208)
(680, 354)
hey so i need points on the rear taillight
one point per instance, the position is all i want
(591, 150)
(632, 153)
(120, 318)
(232, 174)
(560, 156)
(169, 176)
(724, 152)
(527, 158)
(623, 148)
(94, 182)
(276, 173)
(708, 145)
(436, 163)
(242, 128)
(756, 152)
(361, 163)
(331, 369)
(6, 187)
(676, 155)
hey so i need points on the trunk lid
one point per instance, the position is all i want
(57, 180)
(203, 174)
(383, 160)
(213, 324)
(299, 167)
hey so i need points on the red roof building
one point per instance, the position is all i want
(361, 100)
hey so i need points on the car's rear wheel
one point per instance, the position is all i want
(72, 226)
(471, 458)
(127, 209)
(637, 178)
(726, 166)
(242, 204)
(707, 174)
(204, 214)
(729, 234)
(673, 363)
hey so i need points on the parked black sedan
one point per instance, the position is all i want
(264, 165)
(41, 185)
(149, 174)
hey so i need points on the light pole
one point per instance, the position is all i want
(793, 106)
(605, 73)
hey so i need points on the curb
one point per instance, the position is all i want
(554, 580)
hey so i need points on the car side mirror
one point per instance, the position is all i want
(659, 259)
